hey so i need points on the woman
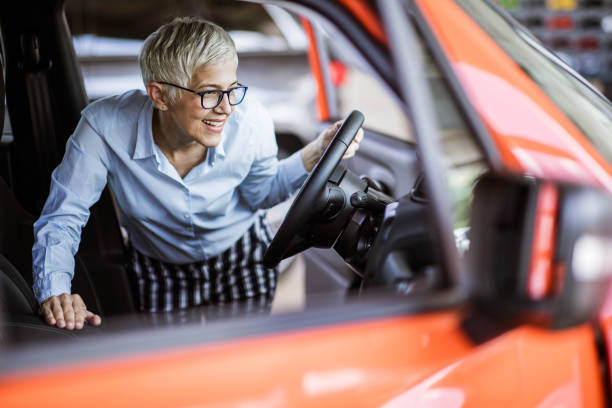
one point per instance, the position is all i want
(190, 162)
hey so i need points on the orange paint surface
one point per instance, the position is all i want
(511, 105)
(423, 360)
(362, 363)
(317, 71)
(605, 322)
(541, 279)
(529, 367)
(366, 16)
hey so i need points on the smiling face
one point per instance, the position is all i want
(187, 122)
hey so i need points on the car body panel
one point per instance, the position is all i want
(365, 363)
(544, 143)
(421, 360)
(501, 93)
(605, 325)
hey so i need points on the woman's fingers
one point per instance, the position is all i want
(47, 313)
(354, 146)
(80, 311)
(93, 318)
(66, 301)
(58, 313)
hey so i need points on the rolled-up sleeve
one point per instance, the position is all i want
(76, 184)
(270, 181)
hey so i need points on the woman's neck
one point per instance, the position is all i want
(171, 139)
(183, 153)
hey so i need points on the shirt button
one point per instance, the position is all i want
(186, 215)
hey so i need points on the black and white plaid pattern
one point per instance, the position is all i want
(235, 275)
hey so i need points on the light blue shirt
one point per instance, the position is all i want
(170, 218)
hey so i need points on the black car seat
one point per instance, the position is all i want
(45, 97)
(19, 321)
(15, 296)
(16, 240)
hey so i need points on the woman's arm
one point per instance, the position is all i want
(271, 181)
(76, 184)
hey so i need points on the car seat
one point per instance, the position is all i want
(15, 296)
(19, 322)
(16, 240)
(45, 99)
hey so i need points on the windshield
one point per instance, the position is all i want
(580, 102)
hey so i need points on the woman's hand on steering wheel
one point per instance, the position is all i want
(313, 151)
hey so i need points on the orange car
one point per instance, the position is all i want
(474, 226)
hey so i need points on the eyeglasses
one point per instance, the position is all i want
(211, 99)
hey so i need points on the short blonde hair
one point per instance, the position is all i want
(176, 49)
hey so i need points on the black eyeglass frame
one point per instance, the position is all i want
(221, 95)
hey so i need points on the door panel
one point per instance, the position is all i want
(411, 359)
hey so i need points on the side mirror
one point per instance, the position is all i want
(540, 252)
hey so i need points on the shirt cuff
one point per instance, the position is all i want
(294, 166)
(53, 284)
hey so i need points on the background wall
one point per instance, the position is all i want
(579, 31)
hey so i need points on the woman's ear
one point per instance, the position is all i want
(158, 95)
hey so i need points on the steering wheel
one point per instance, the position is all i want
(287, 240)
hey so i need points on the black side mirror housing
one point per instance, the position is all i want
(540, 252)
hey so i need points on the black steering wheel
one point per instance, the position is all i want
(288, 240)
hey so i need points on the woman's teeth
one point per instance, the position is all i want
(211, 123)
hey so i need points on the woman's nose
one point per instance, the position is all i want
(224, 106)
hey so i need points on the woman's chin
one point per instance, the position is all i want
(209, 140)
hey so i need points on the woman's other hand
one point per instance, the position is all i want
(312, 152)
(67, 312)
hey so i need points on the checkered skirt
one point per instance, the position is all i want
(235, 275)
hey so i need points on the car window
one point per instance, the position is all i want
(357, 88)
(461, 155)
(464, 160)
(581, 103)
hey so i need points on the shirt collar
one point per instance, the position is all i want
(220, 150)
(144, 136)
